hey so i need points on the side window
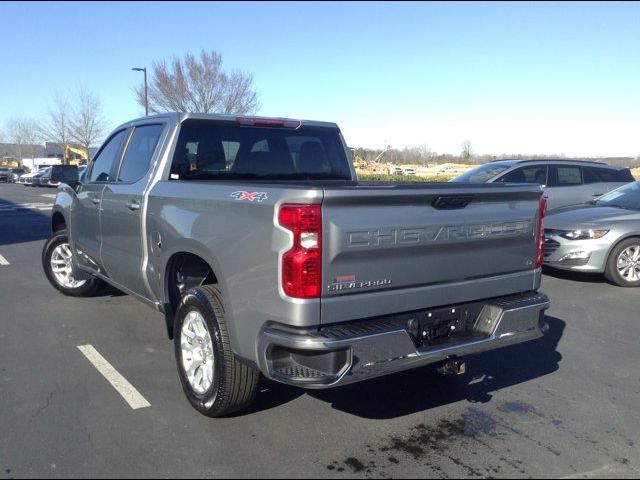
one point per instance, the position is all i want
(624, 175)
(565, 176)
(591, 175)
(533, 174)
(595, 174)
(137, 158)
(104, 161)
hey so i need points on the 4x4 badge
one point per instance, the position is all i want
(250, 196)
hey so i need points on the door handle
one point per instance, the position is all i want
(133, 205)
(95, 200)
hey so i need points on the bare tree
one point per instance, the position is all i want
(199, 85)
(57, 126)
(31, 136)
(23, 133)
(16, 135)
(467, 150)
(87, 125)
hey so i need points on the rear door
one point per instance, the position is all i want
(566, 187)
(122, 210)
(85, 231)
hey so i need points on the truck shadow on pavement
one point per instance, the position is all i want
(423, 389)
(574, 276)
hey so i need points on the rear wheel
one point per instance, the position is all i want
(623, 266)
(214, 381)
(57, 259)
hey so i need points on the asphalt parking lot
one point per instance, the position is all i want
(565, 406)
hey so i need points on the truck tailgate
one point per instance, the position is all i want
(411, 247)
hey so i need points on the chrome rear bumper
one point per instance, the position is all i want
(347, 353)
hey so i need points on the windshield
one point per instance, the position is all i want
(627, 197)
(482, 173)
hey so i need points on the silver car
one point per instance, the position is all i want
(565, 182)
(603, 237)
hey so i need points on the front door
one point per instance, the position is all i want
(85, 231)
(85, 226)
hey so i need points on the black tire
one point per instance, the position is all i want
(234, 384)
(612, 274)
(87, 289)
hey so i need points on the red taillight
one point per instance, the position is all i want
(268, 122)
(302, 265)
(542, 210)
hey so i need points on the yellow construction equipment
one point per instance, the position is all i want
(83, 154)
(359, 163)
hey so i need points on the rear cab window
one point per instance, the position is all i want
(217, 150)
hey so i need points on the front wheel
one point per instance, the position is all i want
(57, 263)
(214, 381)
(623, 266)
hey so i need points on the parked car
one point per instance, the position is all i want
(409, 171)
(267, 257)
(603, 237)
(15, 174)
(27, 178)
(39, 179)
(5, 173)
(565, 182)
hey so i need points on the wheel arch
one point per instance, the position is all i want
(618, 241)
(183, 270)
(58, 222)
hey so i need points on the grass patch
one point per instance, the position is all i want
(376, 177)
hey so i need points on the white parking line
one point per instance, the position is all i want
(3, 261)
(7, 207)
(117, 381)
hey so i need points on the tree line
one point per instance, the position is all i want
(423, 155)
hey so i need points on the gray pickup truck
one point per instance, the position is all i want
(266, 256)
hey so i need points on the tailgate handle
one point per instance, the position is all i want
(452, 202)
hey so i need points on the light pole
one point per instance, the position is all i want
(146, 101)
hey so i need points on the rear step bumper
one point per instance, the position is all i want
(347, 353)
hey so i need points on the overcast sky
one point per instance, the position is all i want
(554, 78)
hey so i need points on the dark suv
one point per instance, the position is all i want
(4, 174)
(565, 182)
(59, 174)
